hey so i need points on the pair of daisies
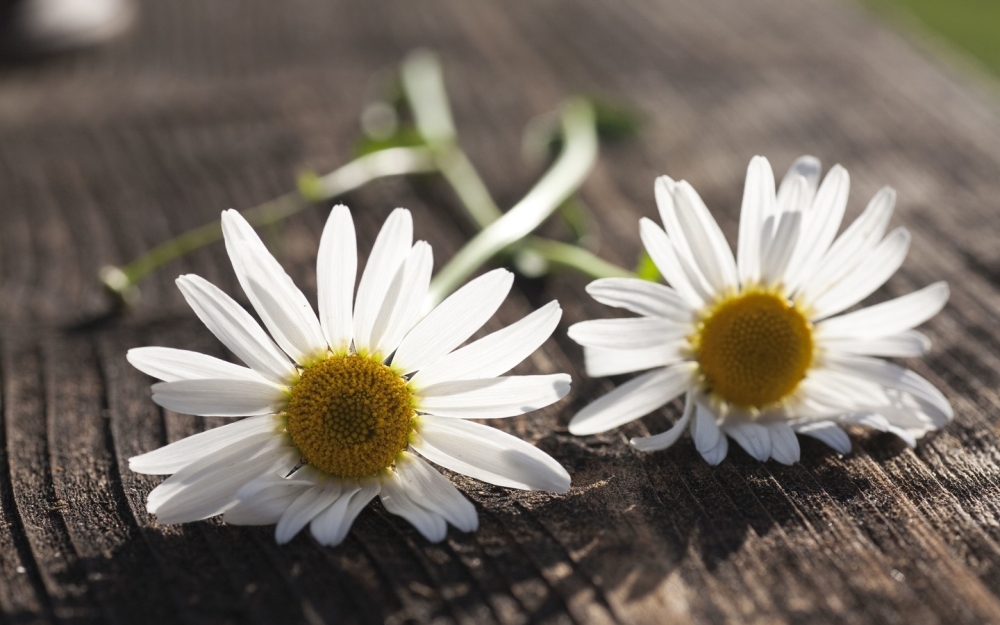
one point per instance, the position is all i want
(351, 403)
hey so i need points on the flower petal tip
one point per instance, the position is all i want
(578, 428)
(786, 461)
(561, 487)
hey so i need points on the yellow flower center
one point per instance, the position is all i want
(754, 348)
(350, 416)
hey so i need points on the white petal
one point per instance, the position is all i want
(629, 333)
(708, 438)
(281, 305)
(708, 245)
(391, 247)
(880, 423)
(767, 233)
(907, 344)
(841, 392)
(336, 271)
(175, 456)
(328, 527)
(677, 272)
(493, 354)
(637, 397)
(892, 376)
(784, 445)
(227, 459)
(912, 414)
(820, 225)
(663, 190)
(305, 508)
(434, 492)
(266, 510)
(676, 253)
(263, 500)
(236, 329)
(793, 197)
(663, 440)
(397, 501)
(774, 261)
(453, 321)
(220, 398)
(602, 362)
(872, 273)
(828, 433)
(643, 297)
(205, 489)
(853, 246)
(487, 454)
(331, 526)
(295, 328)
(809, 168)
(809, 408)
(404, 300)
(888, 318)
(758, 203)
(492, 398)
(172, 365)
(753, 437)
(717, 454)
(845, 391)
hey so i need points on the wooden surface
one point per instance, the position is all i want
(210, 105)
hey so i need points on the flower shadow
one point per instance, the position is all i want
(637, 519)
(631, 524)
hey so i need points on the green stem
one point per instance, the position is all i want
(458, 170)
(578, 155)
(423, 83)
(575, 257)
(121, 281)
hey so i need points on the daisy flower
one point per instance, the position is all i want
(347, 406)
(754, 342)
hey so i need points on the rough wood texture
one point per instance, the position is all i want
(211, 105)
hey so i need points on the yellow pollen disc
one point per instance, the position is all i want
(754, 349)
(350, 415)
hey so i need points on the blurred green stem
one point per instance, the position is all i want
(559, 182)
(575, 257)
(423, 84)
(391, 162)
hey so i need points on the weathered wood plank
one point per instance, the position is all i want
(210, 106)
(22, 593)
(56, 562)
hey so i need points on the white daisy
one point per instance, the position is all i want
(753, 341)
(341, 405)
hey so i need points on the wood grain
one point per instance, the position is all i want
(206, 106)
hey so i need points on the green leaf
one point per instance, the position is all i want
(646, 269)
(575, 214)
(406, 137)
(615, 121)
(310, 186)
